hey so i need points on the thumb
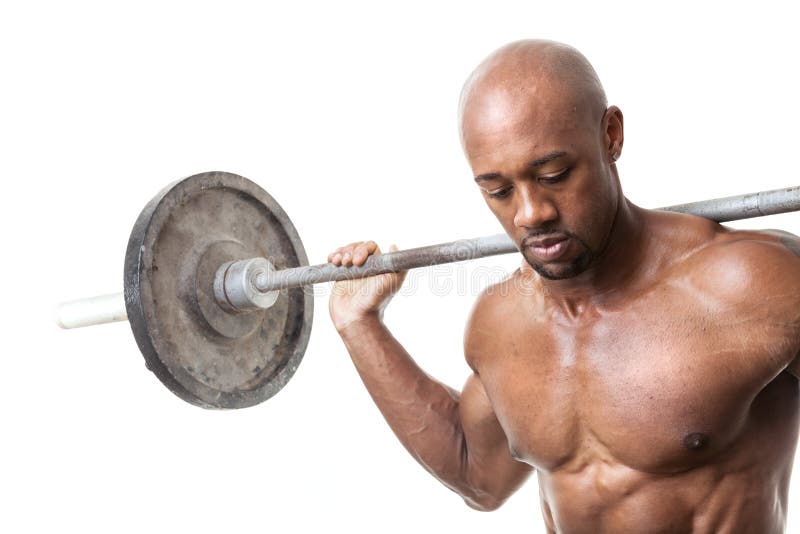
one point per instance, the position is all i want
(393, 248)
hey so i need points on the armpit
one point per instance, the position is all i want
(792, 244)
(789, 240)
(794, 367)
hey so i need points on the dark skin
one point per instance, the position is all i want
(642, 363)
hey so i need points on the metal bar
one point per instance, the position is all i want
(111, 308)
(743, 206)
(390, 262)
(719, 209)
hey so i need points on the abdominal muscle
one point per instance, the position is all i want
(615, 498)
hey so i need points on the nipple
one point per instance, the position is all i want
(695, 441)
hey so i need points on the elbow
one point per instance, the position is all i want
(484, 503)
(480, 493)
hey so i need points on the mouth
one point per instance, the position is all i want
(549, 248)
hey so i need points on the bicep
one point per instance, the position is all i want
(487, 461)
(481, 427)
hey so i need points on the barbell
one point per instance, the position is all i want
(214, 274)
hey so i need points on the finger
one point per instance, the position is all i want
(347, 255)
(349, 252)
(362, 251)
(337, 257)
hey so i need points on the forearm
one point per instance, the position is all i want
(421, 411)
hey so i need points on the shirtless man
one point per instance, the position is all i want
(643, 363)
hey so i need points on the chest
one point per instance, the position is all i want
(655, 390)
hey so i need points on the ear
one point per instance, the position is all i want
(613, 133)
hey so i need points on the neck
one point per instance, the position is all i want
(611, 270)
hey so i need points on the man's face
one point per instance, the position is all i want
(544, 171)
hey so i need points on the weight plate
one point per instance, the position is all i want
(204, 354)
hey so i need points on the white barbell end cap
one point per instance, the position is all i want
(94, 310)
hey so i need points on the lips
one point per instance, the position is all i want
(549, 248)
(547, 241)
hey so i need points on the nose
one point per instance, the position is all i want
(533, 209)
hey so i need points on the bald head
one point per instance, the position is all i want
(539, 77)
(542, 145)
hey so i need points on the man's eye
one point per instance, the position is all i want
(500, 193)
(557, 178)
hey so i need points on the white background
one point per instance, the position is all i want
(346, 113)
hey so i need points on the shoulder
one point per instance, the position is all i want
(748, 253)
(498, 312)
(747, 267)
(751, 279)
(706, 251)
(484, 320)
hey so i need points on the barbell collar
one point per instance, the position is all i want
(235, 285)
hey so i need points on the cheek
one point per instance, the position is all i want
(600, 216)
(504, 212)
(589, 210)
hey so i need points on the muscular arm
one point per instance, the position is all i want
(456, 437)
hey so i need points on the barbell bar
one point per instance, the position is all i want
(110, 308)
(720, 210)
(225, 328)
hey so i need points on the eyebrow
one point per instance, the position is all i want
(538, 162)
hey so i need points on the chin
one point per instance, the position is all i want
(562, 271)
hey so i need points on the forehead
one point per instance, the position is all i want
(504, 125)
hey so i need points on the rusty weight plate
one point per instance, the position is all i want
(205, 355)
